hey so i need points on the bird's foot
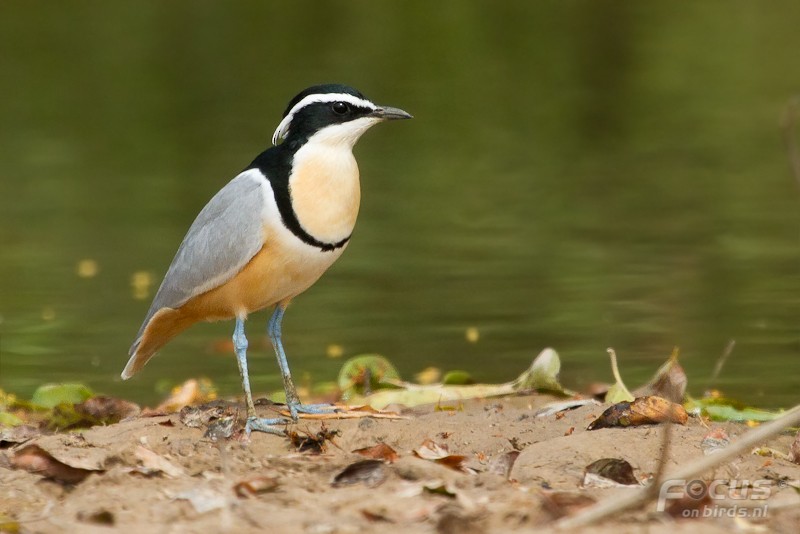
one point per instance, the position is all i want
(268, 425)
(313, 409)
(276, 425)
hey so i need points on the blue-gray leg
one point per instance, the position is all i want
(253, 422)
(292, 399)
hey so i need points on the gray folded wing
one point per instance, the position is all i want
(226, 234)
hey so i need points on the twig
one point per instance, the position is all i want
(721, 361)
(788, 125)
(615, 505)
(658, 478)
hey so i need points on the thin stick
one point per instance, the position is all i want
(721, 361)
(615, 505)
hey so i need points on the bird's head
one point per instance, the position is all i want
(332, 113)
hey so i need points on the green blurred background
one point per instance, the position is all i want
(579, 174)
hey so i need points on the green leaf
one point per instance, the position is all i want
(363, 374)
(9, 419)
(51, 395)
(542, 375)
(618, 392)
(724, 409)
(457, 378)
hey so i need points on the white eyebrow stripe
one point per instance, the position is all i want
(283, 128)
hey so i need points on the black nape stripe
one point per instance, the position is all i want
(276, 164)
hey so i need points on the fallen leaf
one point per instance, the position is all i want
(614, 470)
(381, 451)
(371, 473)
(642, 411)
(153, 463)
(376, 517)
(457, 378)
(256, 486)
(107, 410)
(719, 408)
(361, 375)
(669, 382)
(51, 395)
(430, 450)
(17, 434)
(8, 419)
(542, 375)
(562, 406)
(439, 487)
(202, 499)
(794, 449)
(35, 459)
(502, 464)
(193, 391)
(714, 441)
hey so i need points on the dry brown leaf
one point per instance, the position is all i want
(153, 463)
(256, 485)
(502, 464)
(376, 517)
(609, 472)
(107, 410)
(371, 473)
(794, 449)
(381, 451)
(641, 411)
(18, 434)
(430, 450)
(192, 391)
(669, 382)
(35, 459)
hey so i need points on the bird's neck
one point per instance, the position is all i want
(324, 189)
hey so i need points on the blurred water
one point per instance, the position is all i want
(579, 174)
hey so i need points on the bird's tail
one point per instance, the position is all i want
(165, 324)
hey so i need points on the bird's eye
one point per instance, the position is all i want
(340, 108)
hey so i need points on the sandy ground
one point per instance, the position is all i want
(155, 474)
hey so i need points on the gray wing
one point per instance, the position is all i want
(226, 234)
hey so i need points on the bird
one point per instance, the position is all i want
(268, 235)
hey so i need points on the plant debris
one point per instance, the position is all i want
(256, 485)
(609, 472)
(371, 473)
(152, 463)
(34, 459)
(315, 443)
(430, 450)
(381, 451)
(642, 411)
